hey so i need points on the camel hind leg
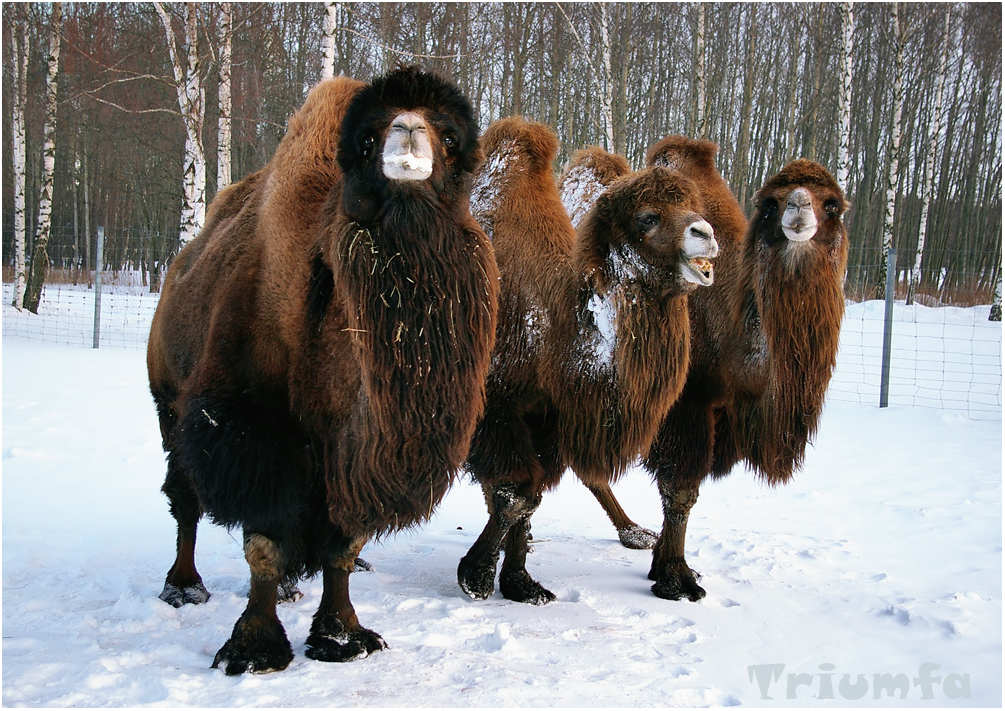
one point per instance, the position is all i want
(183, 584)
(631, 534)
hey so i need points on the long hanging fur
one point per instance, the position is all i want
(596, 420)
(801, 304)
(764, 337)
(294, 386)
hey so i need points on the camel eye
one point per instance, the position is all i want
(647, 222)
(831, 207)
(366, 146)
(450, 140)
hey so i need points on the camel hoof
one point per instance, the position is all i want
(521, 587)
(257, 646)
(329, 642)
(288, 592)
(477, 581)
(677, 587)
(637, 538)
(176, 597)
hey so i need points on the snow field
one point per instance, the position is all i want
(883, 554)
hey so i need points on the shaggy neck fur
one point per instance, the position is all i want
(616, 381)
(419, 298)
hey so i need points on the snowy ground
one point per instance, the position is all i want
(883, 555)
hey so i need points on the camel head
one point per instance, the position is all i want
(647, 229)
(411, 131)
(800, 210)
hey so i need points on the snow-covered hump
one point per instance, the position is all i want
(579, 191)
(488, 184)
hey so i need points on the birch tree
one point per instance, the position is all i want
(224, 132)
(996, 305)
(699, 73)
(191, 101)
(894, 152)
(328, 41)
(39, 265)
(933, 144)
(608, 88)
(20, 36)
(844, 157)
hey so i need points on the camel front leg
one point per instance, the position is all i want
(674, 579)
(258, 643)
(336, 634)
(515, 582)
(477, 570)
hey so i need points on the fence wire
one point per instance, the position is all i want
(948, 358)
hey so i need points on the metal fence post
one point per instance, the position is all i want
(97, 286)
(891, 280)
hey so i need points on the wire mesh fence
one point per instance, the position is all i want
(948, 358)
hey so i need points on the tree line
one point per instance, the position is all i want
(764, 81)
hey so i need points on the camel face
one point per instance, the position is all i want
(799, 221)
(408, 152)
(699, 247)
(665, 238)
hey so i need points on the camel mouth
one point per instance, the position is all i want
(700, 248)
(800, 234)
(701, 270)
(408, 150)
(407, 166)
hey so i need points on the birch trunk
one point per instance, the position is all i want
(191, 102)
(699, 73)
(224, 132)
(741, 157)
(87, 216)
(608, 107)
(933, 144)
(894, 169)
(39, 266)
(328, 41)
(20, 158)
(996, 306)
(844, 157)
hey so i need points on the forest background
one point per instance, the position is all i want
(762, 80)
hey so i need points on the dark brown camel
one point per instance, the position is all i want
(319, 353)
(588, 174)
(576, 378)
(764, 341)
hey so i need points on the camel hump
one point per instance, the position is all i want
(801, 172)
(682, 153)
(588, 174)
(303, 167)
(511, 146)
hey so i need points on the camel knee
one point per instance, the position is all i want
(264, 556)
(507, 502)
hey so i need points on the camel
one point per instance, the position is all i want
(576, 379)
(586, 176)
(319, 353)
(764, 341)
